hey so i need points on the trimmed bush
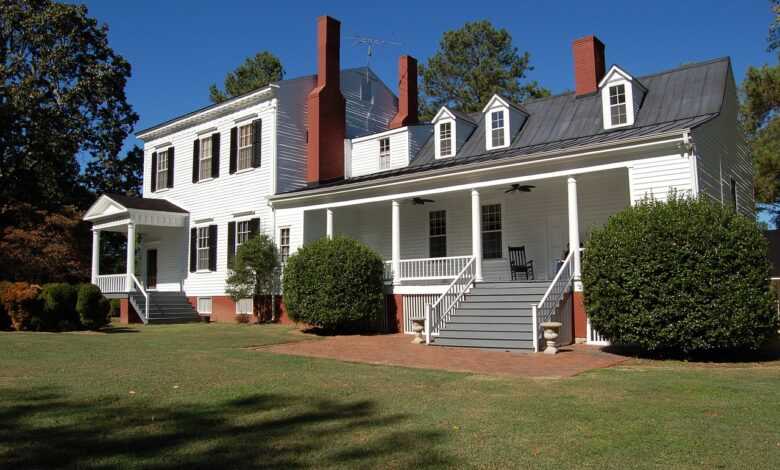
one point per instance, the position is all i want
(22, 305)
(59, 307)
(92, 307)
(686, 276)
(335, 284)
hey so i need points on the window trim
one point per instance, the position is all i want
(279, 244)
(164, 185)
(238, 232)
(250, 125)
(489, 127)
(251, 307)
(452, 138)
(198, 249)
(483, 231)
(606, 107)
(385, 158)
(431, 236)
(202, 159)
(211, 305)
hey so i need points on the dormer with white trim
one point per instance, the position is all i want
(621, 97)
(502, 122)
(451, 129)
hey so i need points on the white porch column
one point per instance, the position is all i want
(574, 230)
(329, 223)
(396, 243)
(130, 255)
(95, 255)
(476, 234)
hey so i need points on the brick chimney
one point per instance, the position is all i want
(407, 93)
(327, 108)
(588, 64)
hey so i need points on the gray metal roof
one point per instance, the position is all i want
(145, 204)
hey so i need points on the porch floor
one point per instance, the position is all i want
(397, 350)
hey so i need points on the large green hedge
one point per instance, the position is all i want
(686, 275)
(93, 309)
(59, 307)
(334, 284)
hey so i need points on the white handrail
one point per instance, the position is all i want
(552, 297)
(419, 269)
(437, 313)
(146, 296)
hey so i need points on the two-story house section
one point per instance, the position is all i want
(480, 216)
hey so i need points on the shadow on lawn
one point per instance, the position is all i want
(40, 428)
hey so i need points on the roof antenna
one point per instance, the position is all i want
(371, 44)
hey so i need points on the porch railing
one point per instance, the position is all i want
(112, 283)
(137, 285)
(545, 310)
(438, 313)
(421, 269)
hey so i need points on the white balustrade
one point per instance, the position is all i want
(546, 309)
(422, 269)
(438, 313)
(112, 283)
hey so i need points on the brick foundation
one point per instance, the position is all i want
(580, 319)
(394, 309)
(127, 313)
(223, 310)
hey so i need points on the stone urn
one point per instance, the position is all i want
(418, 326)
(551, 329)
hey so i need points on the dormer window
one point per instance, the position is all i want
(497, 129)
(617, 105)
(445, 139)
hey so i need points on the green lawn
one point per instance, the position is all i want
(192, 395)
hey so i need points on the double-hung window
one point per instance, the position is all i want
(203, 248)
(491, 231)
(242, 232)
(245, 146)
(617, 105)
(204, 171)
(162, 170)
(445, 139)
(497, 128)
(384, 153)
(437, 234)
(284, 244)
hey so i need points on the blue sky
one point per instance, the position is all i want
(178, 48)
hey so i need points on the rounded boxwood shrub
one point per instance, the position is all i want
(92, 307)
(59, 307)
(683, 276)
(335, 284)
(22, 305)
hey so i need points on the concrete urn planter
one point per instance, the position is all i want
(419, 326)
(551, 329)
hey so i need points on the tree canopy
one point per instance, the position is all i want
(471, 65)
(256, 72)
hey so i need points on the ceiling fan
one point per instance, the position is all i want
(521, 188)
(419, 201)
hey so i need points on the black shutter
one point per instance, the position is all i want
(212, 247)
(170, 167)
(231, 242)
(195, 160)
(233, 150)
(257, 133)
(154, 171)
(215, 155)
(193, 250)
(254, 227)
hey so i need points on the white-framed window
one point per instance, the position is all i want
(245, 136)
(242, 232)
(618, 110)
(384, 153)
(497, 129)
(204, 305)
(491, 231)
(204, 170)
(162, 170)
(244, 306)
(284, 244)
(445, 139)
(437, 234)
(203, 248)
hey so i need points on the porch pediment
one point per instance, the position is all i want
(117, 210)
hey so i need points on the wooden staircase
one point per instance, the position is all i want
(494, 315)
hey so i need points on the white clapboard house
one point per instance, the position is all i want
(473, 213)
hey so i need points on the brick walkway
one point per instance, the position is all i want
(397, 350)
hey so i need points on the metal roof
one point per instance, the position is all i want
(130, 202)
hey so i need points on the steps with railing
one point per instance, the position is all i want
(163, 307)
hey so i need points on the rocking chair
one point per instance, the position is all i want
(518, 265)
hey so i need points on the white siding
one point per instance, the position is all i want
(291, 139)
(405, 142)
(657, 177)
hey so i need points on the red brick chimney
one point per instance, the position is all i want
(407, 93)
(588, 64)
(327, 108)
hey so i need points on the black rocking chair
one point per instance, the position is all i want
(518, 264)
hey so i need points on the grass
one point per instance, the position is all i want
(195, 396)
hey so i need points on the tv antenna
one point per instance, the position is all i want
(371, 45)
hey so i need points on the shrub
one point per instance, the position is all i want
(22, 305)
(92, 307)
(59, 307)
(684, 276)
(334, 284)
(253, 271)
